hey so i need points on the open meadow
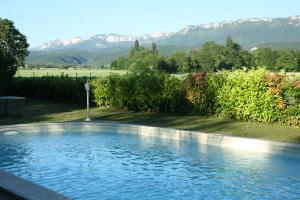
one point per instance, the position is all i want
(69, 72)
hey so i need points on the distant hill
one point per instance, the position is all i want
(101, 49)
(75, 56)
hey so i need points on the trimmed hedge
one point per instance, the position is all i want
(58, 89)
(142, 91)
(245, 95)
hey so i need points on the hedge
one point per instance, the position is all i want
(257, 95)
(57, 89)
(143, 91)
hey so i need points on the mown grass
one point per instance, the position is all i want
(44, 111)
(74, 72)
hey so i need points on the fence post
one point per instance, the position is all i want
(76, 75)
(90, 75)
(33, 74)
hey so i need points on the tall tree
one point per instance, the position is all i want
(154, 48)
(287, 60)
(136, 45)
(13, 50)
(232, 45)
(265, 57)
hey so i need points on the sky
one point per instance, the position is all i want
(45, 20)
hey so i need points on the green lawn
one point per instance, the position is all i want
(74, 72)
(69, 72)
(43, 111)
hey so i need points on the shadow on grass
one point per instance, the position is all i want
(171, 120)
(35, 111)
(45, 111)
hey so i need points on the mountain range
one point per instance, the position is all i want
(102, 48)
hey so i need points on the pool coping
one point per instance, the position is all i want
(239, 143)
(16, 188)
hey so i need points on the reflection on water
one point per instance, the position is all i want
(127, 166)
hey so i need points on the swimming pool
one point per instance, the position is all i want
(100, 161)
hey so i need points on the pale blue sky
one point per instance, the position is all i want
(45, 20)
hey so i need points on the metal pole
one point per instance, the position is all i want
(87, 88)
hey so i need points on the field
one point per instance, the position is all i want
(89, 72)
(72, 72)
(69, 72)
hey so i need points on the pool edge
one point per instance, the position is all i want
(14, 188)
(239, 143)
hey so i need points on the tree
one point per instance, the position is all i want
(154, 48)
(136, 45)
(232, 45)
(193, 61)
(248, 59)
(212, 57)
(131, 52)
(287, 60)
(13, 50)
(265, 57)
(179, 61)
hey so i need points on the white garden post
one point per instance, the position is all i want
(87, 89)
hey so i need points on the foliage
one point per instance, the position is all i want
(100, 91)
(286, 60)
(13, 50)
(254, 95)
(210, 57)
(201, 91)
(258, 95)
(143, 90)
(58, 89)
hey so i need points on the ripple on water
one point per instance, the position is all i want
(125, 166)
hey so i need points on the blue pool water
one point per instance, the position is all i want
(111, 165)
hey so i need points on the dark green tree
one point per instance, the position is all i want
(136, 45)
(212, 57)
(287, 60)
(179, 61)
(232, 45)
(154, 48)
(265, 57)
(13, 50)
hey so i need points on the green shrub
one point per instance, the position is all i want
(201, 91)
(58, 89)
(100, 91)
(245, 95)
(144, 90)
(257, 95)
(173, 95)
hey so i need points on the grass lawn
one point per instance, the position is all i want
(69, 72)
(43, 111)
